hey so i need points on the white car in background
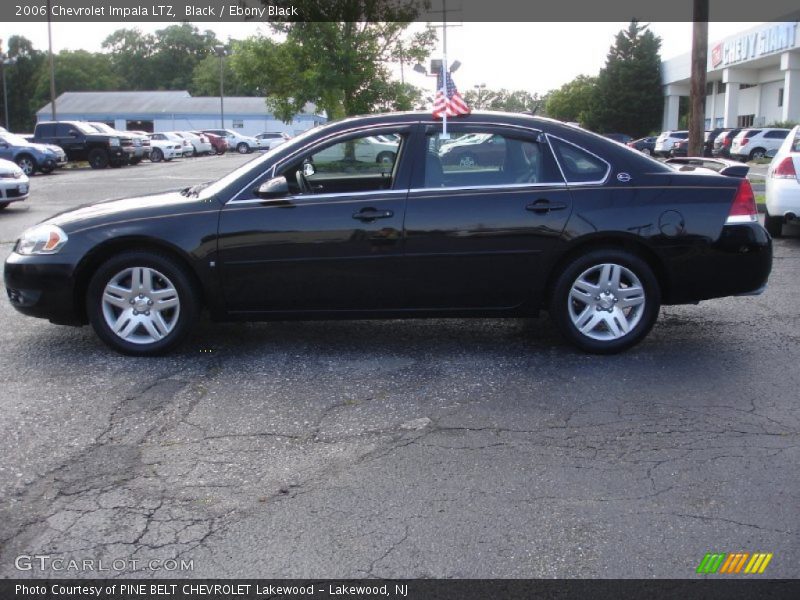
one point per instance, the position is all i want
(243, 144)
(783, 185)
(369, 149)
(14, 184)
(186, 146)
(164, 148)
(666, 141)
(200, 144)
(751, 144)
(269, 140)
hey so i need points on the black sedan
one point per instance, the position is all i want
(595, 233)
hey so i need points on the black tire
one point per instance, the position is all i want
(188, 309)
(156, 155)
(4, 205)
(242, 148)
(135, 161)
(98, 158)
(561, 302)
(757, 153)
(27, 163)
(47, 170)
(385, 158)
(773, 225)
(647, 152)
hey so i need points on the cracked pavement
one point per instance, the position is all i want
(441, 448)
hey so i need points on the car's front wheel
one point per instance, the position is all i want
(141, 303)
(156, 155)
(605, 301)
(243, 148)
(27, 164)
(98, 159)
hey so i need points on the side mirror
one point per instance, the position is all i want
(308, 169)
(277, 187)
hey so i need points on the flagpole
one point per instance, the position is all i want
(444, 135)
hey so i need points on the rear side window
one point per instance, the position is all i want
(48, 130)
(776, 135)
(579, 165)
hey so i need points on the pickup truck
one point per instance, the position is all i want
(82, 142)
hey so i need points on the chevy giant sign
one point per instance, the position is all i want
(749, 46)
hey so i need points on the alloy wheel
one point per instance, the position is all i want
(606, 302)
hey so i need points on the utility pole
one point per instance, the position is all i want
(52, 66)
(220, 51)
(697, 98)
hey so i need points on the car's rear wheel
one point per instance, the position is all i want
(141, 303)
(156, 155)
(98, 159)
(469, 160)
(605, 301)
(773, 225)
(136, 161)
(242, 148)
(385, 158)
(757, 153)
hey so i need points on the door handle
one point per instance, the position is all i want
(370, 214)
(543, 205)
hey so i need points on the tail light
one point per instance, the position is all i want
(785, 169)
(726, 142)
(743, 209)
(744, 142)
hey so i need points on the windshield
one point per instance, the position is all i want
(255, 165)
(102, 127)
(85, 128)
(14, 140)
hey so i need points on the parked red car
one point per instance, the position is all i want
(219, 143)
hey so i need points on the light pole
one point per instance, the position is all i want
(479, 102)
(52, 65)
(220, 51)
(7, 62)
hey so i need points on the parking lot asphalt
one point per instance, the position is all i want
(438, 448)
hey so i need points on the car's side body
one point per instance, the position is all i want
(28, 156)
(750, 144)
(410, 243)
(783, 185)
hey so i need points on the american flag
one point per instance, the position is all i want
(448, 101)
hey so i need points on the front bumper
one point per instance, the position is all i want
(12, 190)
(43, 287)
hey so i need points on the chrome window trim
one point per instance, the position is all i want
(282, 162)
(309, 197)
(502, 186)
(564, 175)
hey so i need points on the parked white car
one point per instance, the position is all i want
(666, 141)
(200, 144)
(368, 149)
(14, 184)
(751, 144)
(269, 140)
(164, 148)
(236, 141)
(186, 146)
(783, 185)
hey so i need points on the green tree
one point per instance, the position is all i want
(178, 50)
(205, 78)
(629, 97)
(131, 53)
(504, 100)
(21, 80)
(336, 59)
(75, 71)
(573, 101)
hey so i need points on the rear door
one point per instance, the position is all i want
(476, 234)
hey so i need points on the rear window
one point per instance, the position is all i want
(681, 135)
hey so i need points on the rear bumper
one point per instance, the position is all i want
(43, 287)
(738, 263)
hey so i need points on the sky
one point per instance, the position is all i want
(536, 57)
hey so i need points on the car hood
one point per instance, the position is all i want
(125, 209)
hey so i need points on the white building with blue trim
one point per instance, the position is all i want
(753, 78)
(176, 111)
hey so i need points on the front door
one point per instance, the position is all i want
(477, 230)
(334, 243)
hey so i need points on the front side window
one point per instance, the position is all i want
(579, 166)
(486, 159)
(361, 164)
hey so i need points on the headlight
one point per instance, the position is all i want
(10, 174)
(42, 239)
(113, 142)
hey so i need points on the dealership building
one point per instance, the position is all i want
(176, 111)
(753, 79)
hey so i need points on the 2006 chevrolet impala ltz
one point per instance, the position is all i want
(510, 215)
